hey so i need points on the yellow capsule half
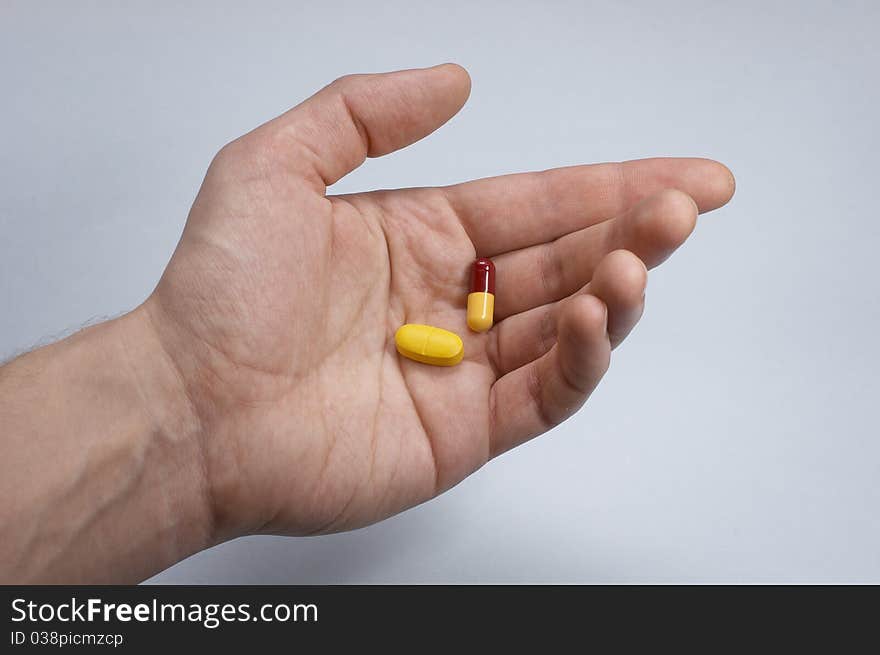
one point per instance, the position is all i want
(429, 345)
(480, 310)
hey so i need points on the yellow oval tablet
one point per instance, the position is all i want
(429, 345)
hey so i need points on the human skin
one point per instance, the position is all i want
(258, 390)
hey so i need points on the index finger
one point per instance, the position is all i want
(516, 211)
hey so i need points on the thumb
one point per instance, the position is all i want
(360, 116)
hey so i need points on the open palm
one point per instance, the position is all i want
(280, 304)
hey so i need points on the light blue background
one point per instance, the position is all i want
(735, 437)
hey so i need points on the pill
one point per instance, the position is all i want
(481, 299)
(429, 345)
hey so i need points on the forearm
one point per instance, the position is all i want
(101, 474)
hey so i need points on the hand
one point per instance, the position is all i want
(280, 304)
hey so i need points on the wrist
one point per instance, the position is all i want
(206, 406)
(183, 506)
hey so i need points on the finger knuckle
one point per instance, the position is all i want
(345, 82)
(252, 155)
(552, 270)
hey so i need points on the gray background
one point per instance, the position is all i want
(734, 438)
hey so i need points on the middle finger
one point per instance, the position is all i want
(542, 274)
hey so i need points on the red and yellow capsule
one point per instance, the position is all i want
(481, 299)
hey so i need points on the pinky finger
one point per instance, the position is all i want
(532, 399)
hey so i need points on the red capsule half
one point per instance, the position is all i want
(483, 276)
